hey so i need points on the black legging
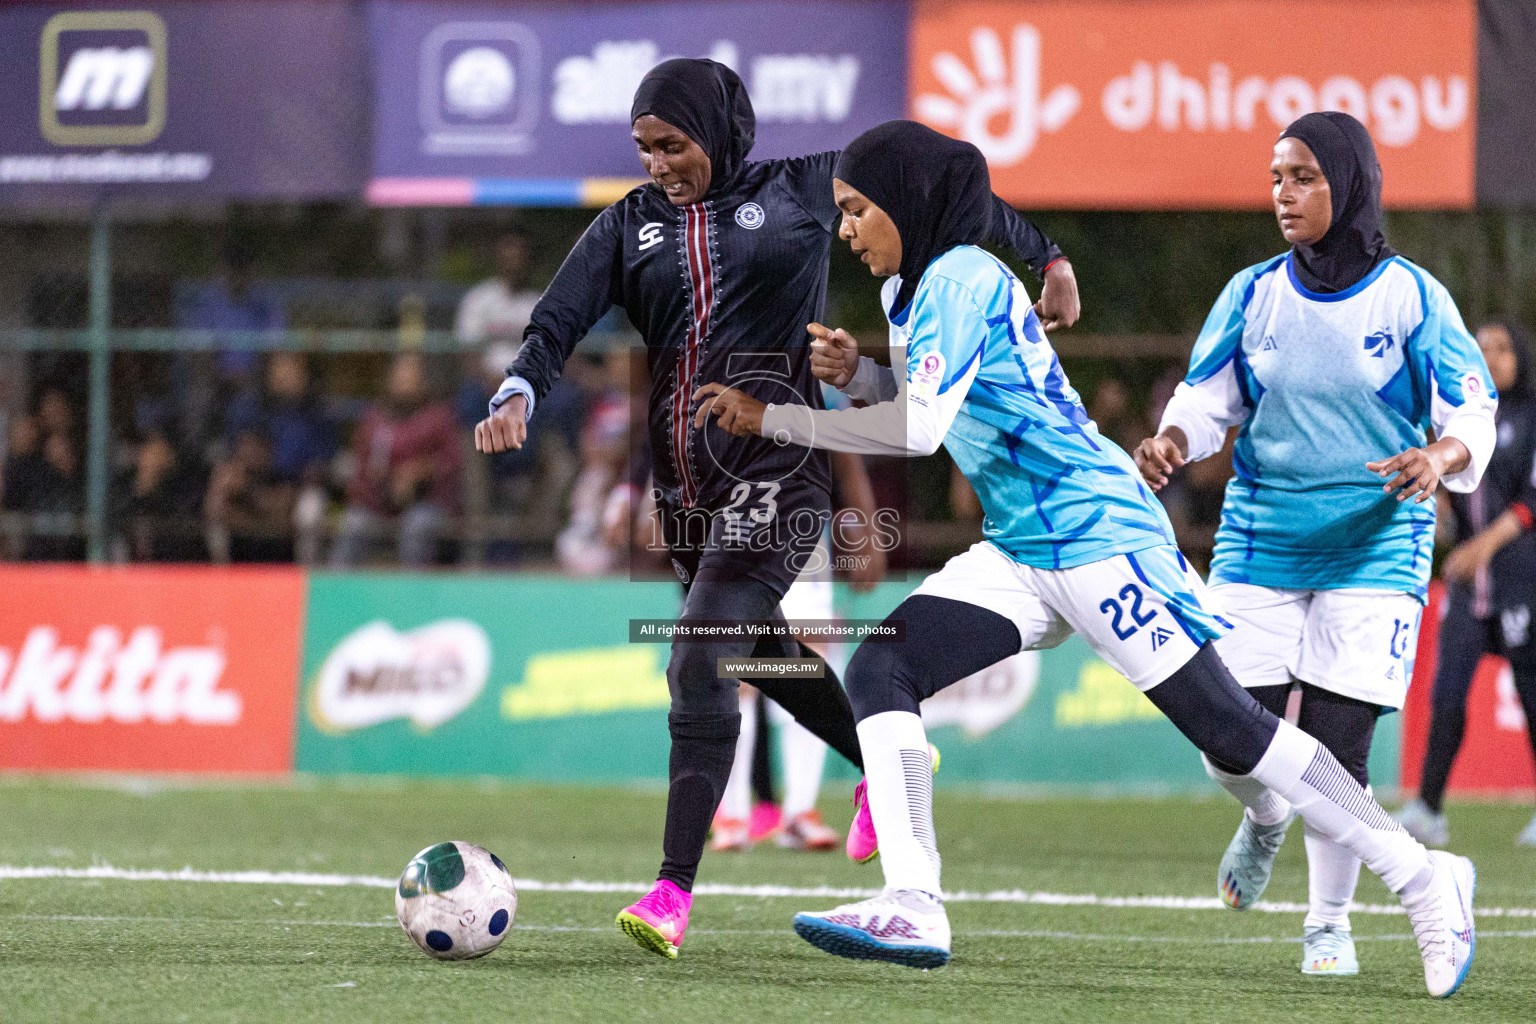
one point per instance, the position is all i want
(1342, 724)
(1464, 639)
(947, 640)
(705, 718)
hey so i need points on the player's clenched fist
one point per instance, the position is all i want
(834, 355)
(504, 429)
(1157, 457)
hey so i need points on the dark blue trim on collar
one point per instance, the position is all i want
(1354, 289)
(899, 316)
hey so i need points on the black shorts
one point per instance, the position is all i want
(767, 533)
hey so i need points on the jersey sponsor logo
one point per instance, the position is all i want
(650, 235)
(427, 675)
(1160, 636)
(682, 573)
(1379, 344)
(1269, 344)
(927, 376)
(1472, 388)
(750, 216)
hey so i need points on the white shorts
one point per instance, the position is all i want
(810, 596)
(1145, 614)
(1355, 642)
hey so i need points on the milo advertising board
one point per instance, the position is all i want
(536, 678)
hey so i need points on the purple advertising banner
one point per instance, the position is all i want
(173, 101)
(482, 103)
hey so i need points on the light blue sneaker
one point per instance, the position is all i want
(1328, 950)
(1427, 826)
(1245, 867)
(1528, 837)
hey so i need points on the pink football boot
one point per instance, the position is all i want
(862, 845)
(659, 919)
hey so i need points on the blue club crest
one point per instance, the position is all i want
(1379, 344)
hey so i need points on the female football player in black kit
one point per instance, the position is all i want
(1491, 581)
(720, 263)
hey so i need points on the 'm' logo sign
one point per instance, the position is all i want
(102, 78)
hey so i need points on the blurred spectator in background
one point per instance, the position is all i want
(205, 383)
(408, 465)
(249, 507)
(301, 438)
(159, 500)
(44, 479)
(498, 308)
(1111, 411)
(586, 546)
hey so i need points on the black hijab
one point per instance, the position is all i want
(1524, 388)
(936, 189)
(706, 101)
(1353, 245)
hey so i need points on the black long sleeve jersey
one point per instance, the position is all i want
(1508, 485)
(721, 291)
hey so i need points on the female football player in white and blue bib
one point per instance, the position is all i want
(1074, 543)
(1334, 359)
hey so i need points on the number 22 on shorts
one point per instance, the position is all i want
(1139, 617)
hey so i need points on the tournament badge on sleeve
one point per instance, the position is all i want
(926, 377)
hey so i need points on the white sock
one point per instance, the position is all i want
(737, 801)
(1302, 771)
(899, 776)
(803, 756)
(1332, 874)
(1265, 806)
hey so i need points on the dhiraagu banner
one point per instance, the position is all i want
(535, 678)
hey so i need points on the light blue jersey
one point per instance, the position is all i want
(1323, 384)
(1056, 492)
(1064, 505)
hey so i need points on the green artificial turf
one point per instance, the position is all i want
(132, 951)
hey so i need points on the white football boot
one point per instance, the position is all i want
(901, 926)
(1441, 916)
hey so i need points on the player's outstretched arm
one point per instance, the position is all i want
(834, 355)
(505, 429)
(1157, 457)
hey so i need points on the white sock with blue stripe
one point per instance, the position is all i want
(1302, 771)
(899, 776)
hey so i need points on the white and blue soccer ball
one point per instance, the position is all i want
(456, 901)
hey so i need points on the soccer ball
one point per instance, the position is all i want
(456, 901)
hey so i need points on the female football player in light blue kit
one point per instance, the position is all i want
(1334, 359)
(1074, 542)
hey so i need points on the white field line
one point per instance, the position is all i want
(1245, 940)
(1054, 899)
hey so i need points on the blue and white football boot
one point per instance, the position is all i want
(1326, 949)
(901, 926)
(1244, 872)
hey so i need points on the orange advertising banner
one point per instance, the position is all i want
(1176, 104)
(149, 669)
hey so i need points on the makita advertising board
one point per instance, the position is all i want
(529, 103)
(149, 669)
(177, 101)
